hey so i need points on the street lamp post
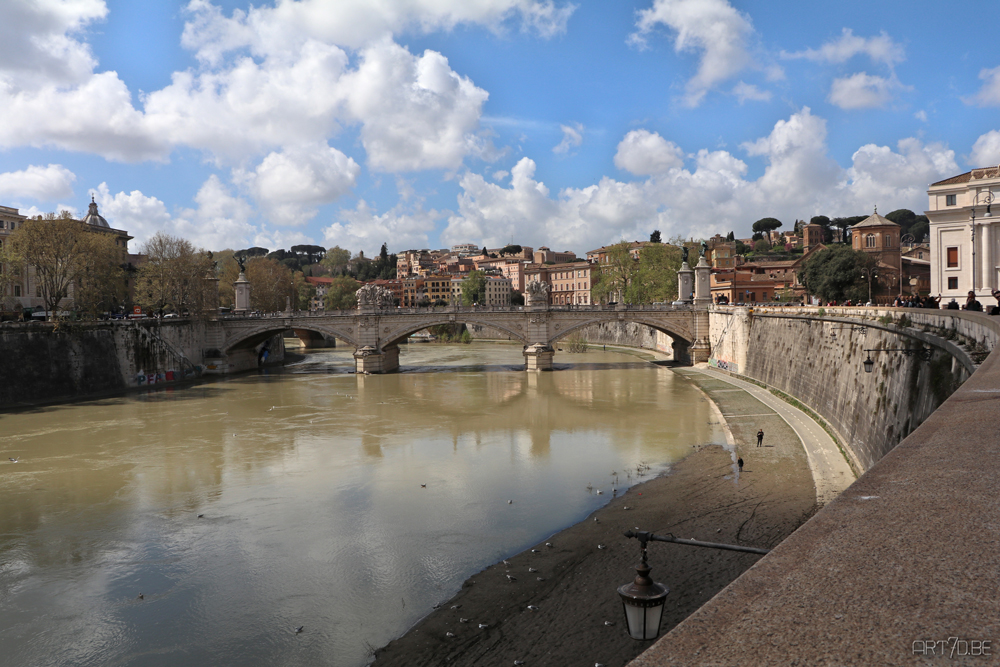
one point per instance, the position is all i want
(924, 353)
(869, 274)
(643, 599)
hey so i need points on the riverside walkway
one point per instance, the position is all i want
(900, 569)
(831, 472)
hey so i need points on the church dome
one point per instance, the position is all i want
(93, 217)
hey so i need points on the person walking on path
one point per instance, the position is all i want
(739, 462)
(760, 437)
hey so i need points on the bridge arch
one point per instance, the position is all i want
(678, 333)
(398, 333)
(253, 336)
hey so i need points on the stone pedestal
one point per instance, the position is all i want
(685, 284)
(538, 357)
(700, 351)
(702, 284)
(242, 287)
(370, 360)
(211, 304)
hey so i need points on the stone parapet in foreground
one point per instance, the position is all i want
(900, 569)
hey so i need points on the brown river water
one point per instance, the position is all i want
(309, 482)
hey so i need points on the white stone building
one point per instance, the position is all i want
(965, 234)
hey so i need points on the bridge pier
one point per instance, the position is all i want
(538, 357)
(369, 360)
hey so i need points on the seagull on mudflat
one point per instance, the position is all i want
(463, 620)
(518, 662)
(140, 597)
(531, 569)
(532, 607)
(601, 546)
(449, 634)
(504, 561)
(536, 551)
(510, 502)
(599, 492)
(299, 629)
(455, 606)
(483, 626)
(595, 520)
(511, 578)
(609, 622)
(423, 486)
(540, 578)
(548, 544)
(13, 459)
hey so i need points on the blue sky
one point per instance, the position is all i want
(427, 123)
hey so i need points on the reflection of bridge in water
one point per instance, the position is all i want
(376, 333)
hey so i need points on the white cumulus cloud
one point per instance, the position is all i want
(861, 91)
(354, 23)
(290, 185)
(989, 94)
(880, 49)
(363, 228)
(746, 91)
(40, 183)
(572, 138)
(714, 28)
(800, 180)
(986, 150)
(642, 152)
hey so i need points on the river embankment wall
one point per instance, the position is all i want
(900, 568)
(816, 356)
(44, 362)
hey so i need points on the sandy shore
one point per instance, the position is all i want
(579, 619)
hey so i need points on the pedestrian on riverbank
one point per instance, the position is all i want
(760, 437)
(739, 462)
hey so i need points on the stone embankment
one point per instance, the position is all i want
(816, 356)
(47, 362)
(901, 567)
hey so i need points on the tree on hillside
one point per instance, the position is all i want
(336, 259)
(102, 283)
(835, 274)
(309, 254)
(271, 283)
(52, 247)
(11, 273)
(172, 277)
(656, 278)
(910, 223)
(655, 236)
(766, 226)
(342, 294)
(474, 288)
(511, 249)
(761, 246)
(253, 252)
(731, 236)
(615, 274)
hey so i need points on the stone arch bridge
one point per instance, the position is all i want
(376, 333)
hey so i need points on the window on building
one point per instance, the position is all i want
(870, 241)
(953, 282)
(888, 241)
(17, 290)
(953, 257)
(949, 200)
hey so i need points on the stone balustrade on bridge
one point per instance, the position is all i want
(376, 333)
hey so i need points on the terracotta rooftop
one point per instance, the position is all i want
(875, 220)
(974, 175)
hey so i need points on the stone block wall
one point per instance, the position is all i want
(818, 360)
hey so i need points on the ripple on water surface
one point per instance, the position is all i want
(308, 481)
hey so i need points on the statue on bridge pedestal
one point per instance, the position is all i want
(536, 293)
(375, 296)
